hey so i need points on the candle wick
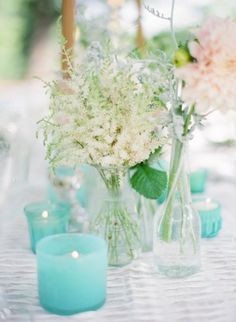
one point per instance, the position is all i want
(45, 214)
(75, 254)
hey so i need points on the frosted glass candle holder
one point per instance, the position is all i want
(198, 179)
(45, 219)
(71, 273)
(210, 214)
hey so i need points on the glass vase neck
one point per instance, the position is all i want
(114, 179)
(178, 175)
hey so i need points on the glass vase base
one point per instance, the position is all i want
(121, 259)
(122, 264)
(147, 248)
(177, 271)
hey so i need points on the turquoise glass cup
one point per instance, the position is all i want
(210, 213)
(45, 219)
(72, 271)
(198, 180)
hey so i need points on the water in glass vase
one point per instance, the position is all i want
(178, 256)
(146, 209)
(116, 220)
(177, 225)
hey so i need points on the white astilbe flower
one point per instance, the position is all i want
(106, 114)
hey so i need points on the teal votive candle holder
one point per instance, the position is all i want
(198, 180)
(210, 215)
(45, 219)
(72, 271)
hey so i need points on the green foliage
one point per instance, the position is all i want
(181, 57)
(163, 41)
(18, 21)
(148, 181)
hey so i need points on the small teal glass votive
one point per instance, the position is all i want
(72, 270)
(210, 213)
(45, 219)
(198, 180)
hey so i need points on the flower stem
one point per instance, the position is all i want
(176, 161)
(114, 221)
(188, 120)
(174, 175)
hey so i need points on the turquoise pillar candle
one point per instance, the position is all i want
(198, 180)
(45, 219)
(210, 215)
(71, 273)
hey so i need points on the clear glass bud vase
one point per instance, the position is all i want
(177, 225)
(116, 219)
(146, 209)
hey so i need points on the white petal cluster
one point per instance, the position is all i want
(108, 116)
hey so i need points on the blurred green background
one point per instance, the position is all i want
(24, 22)
(20, 20)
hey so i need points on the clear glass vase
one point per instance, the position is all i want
(146, 209)
(67, 187)
(116, 219)
(177, 226)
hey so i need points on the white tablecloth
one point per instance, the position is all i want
(136, 292)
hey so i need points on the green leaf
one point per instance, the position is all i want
(148, 181)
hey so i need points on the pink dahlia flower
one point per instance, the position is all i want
(210, 81)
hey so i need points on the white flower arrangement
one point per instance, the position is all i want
(108, 113)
